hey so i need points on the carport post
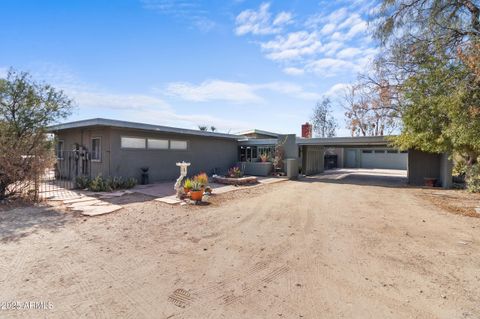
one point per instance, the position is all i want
(446, 170)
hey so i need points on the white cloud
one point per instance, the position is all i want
(333, 41)
(260, 22)
(189, 11)
(289, 89)
(293, 71)
(336, 90)
(330, 67)
(293, 45)
(213, 90)
(348, 53)
(236, 92)
(328, 28)
(102, 99)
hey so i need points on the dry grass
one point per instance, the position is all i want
(455, 201)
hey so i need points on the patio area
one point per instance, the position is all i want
(164, 192)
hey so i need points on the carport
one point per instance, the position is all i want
(373, 152)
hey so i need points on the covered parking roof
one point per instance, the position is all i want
(346, 141)
(133, 125)
(330, 141)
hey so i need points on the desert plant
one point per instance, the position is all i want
(82, 182)
(202, 178)
(235, 172)
(264, 157)
(196, 186)
(99, 184)
(187, 184)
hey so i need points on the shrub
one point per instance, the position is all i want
(473, 178)
(202, 178)
(100, 184)
(196, 186)
(188, 183)
(82, 182)
(235, 172)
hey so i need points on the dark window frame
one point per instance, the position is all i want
(94, 155)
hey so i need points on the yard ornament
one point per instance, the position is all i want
(183, 173)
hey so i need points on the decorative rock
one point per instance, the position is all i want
(235, 181)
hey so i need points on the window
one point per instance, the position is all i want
(178, 145)
(132, 142)
(379, 152)
(392, 152)
(155, 144)
(59, 149)
(96, 149)
(367, 151)
(403, 152)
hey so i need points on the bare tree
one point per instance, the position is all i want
(369, 108)
(324, 124)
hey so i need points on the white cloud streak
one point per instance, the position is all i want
(236, 92)
(260, 22)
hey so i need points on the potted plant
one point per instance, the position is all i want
(196, 192)
(264, 157)
(202, 178)
(187, 185)
(235, 172)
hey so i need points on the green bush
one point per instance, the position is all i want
(101, 184)
(473, 178)
(82, 182)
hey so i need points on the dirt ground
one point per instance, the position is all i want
(296, 249)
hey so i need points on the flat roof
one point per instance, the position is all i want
(329, 141)
(134, 125)
(255, 131)
(345, 141)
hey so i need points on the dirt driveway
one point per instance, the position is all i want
(296, 249)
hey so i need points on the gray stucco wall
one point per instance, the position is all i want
(312, 159)
(83, 137)
(422, 165)
(205, 154)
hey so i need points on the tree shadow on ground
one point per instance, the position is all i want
(21, 222)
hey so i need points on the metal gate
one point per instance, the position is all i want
(62, 176)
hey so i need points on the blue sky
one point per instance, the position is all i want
(232, 64)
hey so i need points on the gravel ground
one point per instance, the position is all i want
(296, 249)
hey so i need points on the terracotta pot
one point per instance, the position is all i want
(430, 182)
(186, 190)
(196, 195)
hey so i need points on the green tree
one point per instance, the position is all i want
(423, 45)
(26, 109)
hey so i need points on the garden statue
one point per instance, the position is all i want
(183, 173)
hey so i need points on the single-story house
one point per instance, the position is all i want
(120, 148)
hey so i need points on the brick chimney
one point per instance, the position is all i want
(307, 130)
